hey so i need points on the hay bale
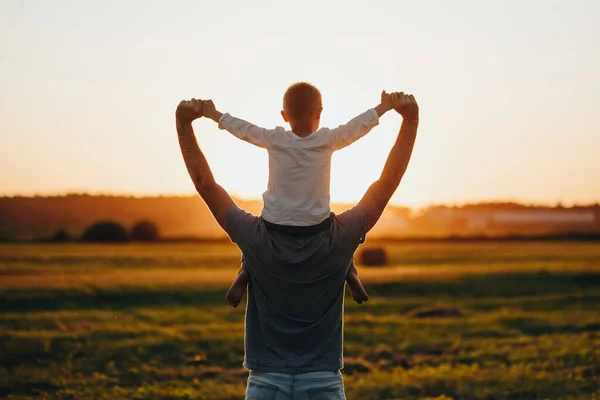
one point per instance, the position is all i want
(374, 256)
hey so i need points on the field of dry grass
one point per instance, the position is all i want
(498, 321)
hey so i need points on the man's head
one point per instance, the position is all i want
(302, 107)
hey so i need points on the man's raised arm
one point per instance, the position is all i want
(379, 193)
(216, 198)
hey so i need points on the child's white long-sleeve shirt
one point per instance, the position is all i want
(299, 168)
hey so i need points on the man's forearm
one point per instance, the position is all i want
(380, 192)
(399, 156)
(195, 161)
(216, 198)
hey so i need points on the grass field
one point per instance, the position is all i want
(489, 321)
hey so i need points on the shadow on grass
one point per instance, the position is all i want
(535, 327)
(490, 286)
(28, 389)
(109, 299)
(476, 287)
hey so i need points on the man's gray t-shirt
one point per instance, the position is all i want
(294, 312)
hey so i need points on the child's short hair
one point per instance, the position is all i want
(301, 100)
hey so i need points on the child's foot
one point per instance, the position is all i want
(359, 294)
(235, 293)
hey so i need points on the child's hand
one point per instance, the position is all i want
(209, 111)
(386, 100)
(208, 108)
(386, 103)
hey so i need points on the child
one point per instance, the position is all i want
(297, 198)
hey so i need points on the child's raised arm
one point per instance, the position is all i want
(345, 135)
(239, 128)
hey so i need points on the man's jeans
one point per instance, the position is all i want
(309, 386)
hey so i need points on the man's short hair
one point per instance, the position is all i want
(301, 100)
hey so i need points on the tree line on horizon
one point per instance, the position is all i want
(111, 232)
(499, 205)
(186, 218)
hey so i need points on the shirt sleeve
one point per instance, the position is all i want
(345, 135)
(351, 226)
(242, 227)
(244, 130)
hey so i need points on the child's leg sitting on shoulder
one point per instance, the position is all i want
(359, 294)
(236, 291)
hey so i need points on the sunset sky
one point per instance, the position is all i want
(509, 93)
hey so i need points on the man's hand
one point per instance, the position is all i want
(405, 105)
(188, 110)
(209, 111)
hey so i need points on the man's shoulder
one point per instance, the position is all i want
(242, 227)
(351, 216)
(246, 229)
(351, 225)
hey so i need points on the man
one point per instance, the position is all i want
(294, 312)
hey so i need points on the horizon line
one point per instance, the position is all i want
(557, 203)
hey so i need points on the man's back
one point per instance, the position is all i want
(295, 298)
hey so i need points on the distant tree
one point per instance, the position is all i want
(7, 239)
(105, 232)
(375, 256)
(144, 231)
(60, 236)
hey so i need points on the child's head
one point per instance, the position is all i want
(302, 107)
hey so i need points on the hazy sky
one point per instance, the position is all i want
(508, 90)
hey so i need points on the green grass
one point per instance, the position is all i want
(489, 321)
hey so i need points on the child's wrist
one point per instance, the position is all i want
(215, 116)
(382, 109)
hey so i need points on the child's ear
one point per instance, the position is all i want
(318, 113)
(284, 116)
